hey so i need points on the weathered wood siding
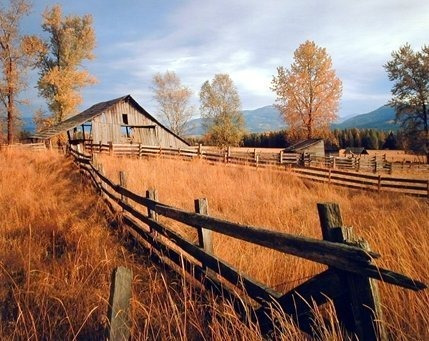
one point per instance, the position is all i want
(317, 149)
(107, 128)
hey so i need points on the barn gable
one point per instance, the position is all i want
(314, 147)
(121, 120)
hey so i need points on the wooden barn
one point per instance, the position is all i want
(121, 120)
(313, 147)
(355, 151)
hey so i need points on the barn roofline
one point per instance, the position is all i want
(303, 144)
(94, 111)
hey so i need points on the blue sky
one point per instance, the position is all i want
(247, 39)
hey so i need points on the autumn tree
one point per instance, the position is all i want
(308, 93)
(17, 52)
(410, 72)
(71, 41)
(173, 101)
(221, 111)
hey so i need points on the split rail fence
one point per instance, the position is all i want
(336, 171)
(349, 281)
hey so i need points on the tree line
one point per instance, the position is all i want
(337, 139)
(308, 92)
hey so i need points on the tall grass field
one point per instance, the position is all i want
(58, 249)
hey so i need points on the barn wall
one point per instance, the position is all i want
(317, 149)
(107, 127)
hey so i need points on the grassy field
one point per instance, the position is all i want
(57, 251)
(56, 257)
(396, 226)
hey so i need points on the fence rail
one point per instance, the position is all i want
(348, 261)
(32, 146)
(336, 171)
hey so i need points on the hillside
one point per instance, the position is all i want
(268, 118)
(257, 121)
(381, 118)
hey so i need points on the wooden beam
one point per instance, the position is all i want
(359, 309)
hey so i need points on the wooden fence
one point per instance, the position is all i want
(348, 281)
(335, 171)
(32, 146)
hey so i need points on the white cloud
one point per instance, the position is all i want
(248, 39)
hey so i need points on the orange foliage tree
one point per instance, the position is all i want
(17, 53)
(308, 93)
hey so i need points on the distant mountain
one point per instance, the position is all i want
(382, 118)
(257, 121)
(28, 124)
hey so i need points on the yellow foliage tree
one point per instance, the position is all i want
(308, 93)
(173, 101)
(221, 111)
(72, 40)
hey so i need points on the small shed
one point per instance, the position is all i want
(121, 120)
(313, 147)
(355, 151)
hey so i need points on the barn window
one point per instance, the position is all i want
(127, 131)
(124, 118)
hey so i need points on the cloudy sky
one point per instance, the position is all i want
(247, 39)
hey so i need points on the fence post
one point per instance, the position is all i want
(119, 304)
(359, 308)
(228, 150)
(379, 183)
(111, 148)
(199, 150)
(101, 183)
(329, 179)
(152, 194)
(140, 151)
(335, 163)
(123, 183)
(375, 164)
(281, 157)
(205, 237)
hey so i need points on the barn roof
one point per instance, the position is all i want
(301, 145)
(356, 150)
(88, 114)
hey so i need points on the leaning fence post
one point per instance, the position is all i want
(119, 304)
(123, 183)
(205, 237)
(101, 184)
(359, 308)
(152, 194)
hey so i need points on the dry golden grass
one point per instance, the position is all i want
(56, 257)
(396, 226)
